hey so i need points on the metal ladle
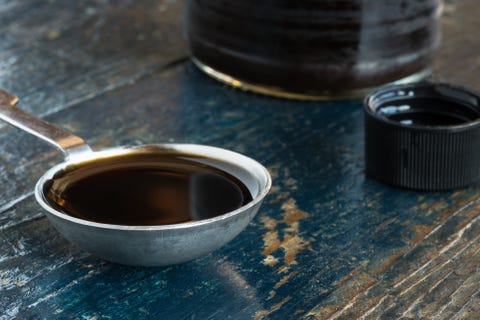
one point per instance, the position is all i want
(141, 245)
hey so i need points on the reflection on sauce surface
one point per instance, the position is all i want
(164, 189)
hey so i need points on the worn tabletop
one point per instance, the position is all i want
(328, 243)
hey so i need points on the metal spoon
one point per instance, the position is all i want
(141, 245)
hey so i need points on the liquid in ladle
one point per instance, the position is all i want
(168, 190)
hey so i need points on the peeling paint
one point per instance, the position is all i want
(12, 278)
(292, 243)
(263, 313)
(11, 312)
(270, 261)
(271, 242)
(418, 281)
(285, 249)
(284, 280)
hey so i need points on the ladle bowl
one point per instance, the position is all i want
(149, 245)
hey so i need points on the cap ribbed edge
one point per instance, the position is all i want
(428, 158)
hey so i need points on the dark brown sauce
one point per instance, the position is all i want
(309, 46)
(146, 190)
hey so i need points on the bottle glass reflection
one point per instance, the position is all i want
(313, 48)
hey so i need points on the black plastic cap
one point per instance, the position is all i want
(423, 136)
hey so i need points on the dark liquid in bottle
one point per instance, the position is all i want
(146, 190)
(312, 46)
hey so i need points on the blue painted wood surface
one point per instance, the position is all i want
(328, 243)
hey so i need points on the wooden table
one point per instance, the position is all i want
(328, 243)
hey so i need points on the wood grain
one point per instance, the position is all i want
(55, 54)
(328, 242)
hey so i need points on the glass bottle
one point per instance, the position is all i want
(313, 48)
